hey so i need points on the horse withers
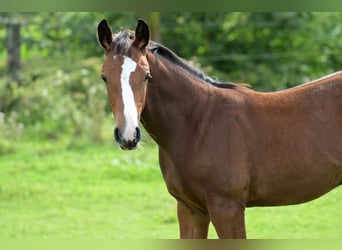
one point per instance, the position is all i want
(222, 147)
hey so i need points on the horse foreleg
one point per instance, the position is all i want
(193, 223)
(228, 218)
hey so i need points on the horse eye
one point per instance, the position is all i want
(148, 77)
(104, 78)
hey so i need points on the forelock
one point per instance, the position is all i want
(121, 42)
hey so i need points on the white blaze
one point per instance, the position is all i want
(130, 110)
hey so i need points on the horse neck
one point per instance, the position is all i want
(174, 101)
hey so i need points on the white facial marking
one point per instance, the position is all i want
(130, 110)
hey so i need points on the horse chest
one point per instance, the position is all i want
(183, 184)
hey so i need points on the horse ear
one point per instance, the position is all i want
(142, 35)
(104, 35)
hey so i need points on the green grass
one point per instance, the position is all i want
(49, 191)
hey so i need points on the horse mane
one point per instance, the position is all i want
(158, 49)
(121, 44)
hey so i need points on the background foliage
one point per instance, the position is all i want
(61, 60)
(60, 177)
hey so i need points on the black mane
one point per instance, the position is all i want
(158, 49)
(122, 42)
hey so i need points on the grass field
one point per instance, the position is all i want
(48, 191)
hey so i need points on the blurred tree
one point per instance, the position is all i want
(153, 19)
(273, 50)
(13, 50)
(11, 24)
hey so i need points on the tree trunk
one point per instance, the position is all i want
(153, 19)
(13, 50)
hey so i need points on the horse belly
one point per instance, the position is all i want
(297, 184)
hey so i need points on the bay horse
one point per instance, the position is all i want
(222, 146)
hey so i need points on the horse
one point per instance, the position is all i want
(222, 146)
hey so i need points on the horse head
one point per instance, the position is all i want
(126, 73)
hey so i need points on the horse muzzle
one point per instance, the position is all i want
(127, 143)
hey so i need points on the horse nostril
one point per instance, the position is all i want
(117, 135)
(137, 134)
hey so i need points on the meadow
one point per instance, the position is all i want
(97, 191)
